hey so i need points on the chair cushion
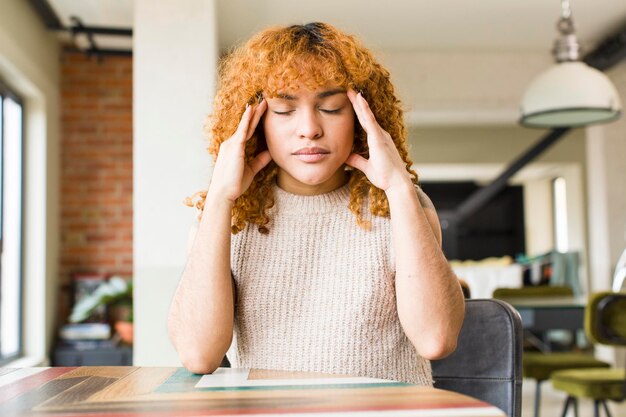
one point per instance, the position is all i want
(596, 383)
(540, 366)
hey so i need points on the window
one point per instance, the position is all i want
(559, 198)
(11, 163)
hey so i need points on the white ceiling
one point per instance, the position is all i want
(391, 24)
(429, 24)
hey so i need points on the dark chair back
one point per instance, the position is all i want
(487, 363)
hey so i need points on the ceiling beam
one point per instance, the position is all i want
(101, 30)
(52, 22)
(609, 53)
(47, 14)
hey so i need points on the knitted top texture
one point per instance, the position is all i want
(317, 294)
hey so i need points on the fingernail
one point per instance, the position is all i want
(247, 105)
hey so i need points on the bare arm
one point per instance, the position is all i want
(430, 300)
(429, 297)
(200, 322)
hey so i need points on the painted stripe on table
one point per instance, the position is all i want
(259, 405)
(114, 372)
(457, 412)
(77, 393)
(36, 378)
(24, 404)
(141, 382)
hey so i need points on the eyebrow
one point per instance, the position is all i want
(323, 94)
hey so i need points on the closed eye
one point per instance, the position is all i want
(330, 111)
(286, 112)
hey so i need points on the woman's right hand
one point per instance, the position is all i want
(232, 175)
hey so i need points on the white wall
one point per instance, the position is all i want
(606, 160)
(29, 62)
(538, 222)
(175, 58)
(606, 176)
(463, 88)
(616, 169)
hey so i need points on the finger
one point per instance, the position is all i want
(358, 101)
(260, 161)
(258, 112)
(367, 118)
(242, 128)
(352, 96)
(358, 162)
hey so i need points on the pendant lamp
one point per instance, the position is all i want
(570, 93)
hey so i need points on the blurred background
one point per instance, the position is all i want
(103, 108)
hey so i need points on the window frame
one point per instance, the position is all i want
(557, 216)
(7, 92)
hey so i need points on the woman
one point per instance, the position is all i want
(315, 247)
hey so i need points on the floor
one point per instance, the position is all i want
(552, 403)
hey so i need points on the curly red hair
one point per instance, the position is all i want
(274, 61)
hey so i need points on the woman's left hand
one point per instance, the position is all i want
(384, 168)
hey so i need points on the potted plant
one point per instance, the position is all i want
(117, 295)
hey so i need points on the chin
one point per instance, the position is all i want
(312, 180)
(311, 175)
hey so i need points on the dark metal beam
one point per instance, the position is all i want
(94, 49)
(108, 52)
(99, 52)
(47, 14)
(479, 198)
(52, 22)
(608, 53)
(101, 30)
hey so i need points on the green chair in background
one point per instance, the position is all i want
(540, 365)
(533, 291)
(605, 323)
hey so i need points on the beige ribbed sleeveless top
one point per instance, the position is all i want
(317, 294)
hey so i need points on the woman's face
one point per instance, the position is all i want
(309, 135)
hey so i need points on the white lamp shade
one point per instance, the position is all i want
(570, 94)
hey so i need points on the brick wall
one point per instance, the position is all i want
(96, 167)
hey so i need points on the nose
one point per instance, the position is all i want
(309, 126)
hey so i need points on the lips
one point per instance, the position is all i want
(311, 151)
(312, 154)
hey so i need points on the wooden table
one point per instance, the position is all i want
(126, 391)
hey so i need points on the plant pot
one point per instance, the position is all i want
(125, 330)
